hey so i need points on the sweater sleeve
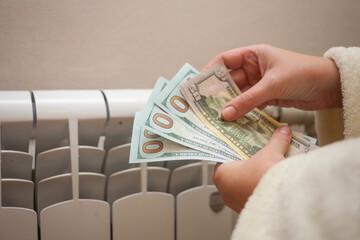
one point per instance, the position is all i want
(343, 121)
(314, 195)
(348, 62)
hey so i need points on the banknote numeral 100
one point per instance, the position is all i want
(163, 121)
(179, 104)
(152, 147)
(149, 134)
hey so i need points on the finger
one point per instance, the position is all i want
(212, 62)
(245, 88)
(233, 59)
(217, 165)
(245, 102)
(280, 140)
(262, 106)
(239, 76)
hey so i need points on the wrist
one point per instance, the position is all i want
(333, 79)
(326, 73)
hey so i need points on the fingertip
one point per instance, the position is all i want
(280, 140)
(212, 62)
(286, 134)
(229, 113)
(286, 130)
(205, 68)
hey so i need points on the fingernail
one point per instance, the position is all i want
(285, 130)
(229, 113)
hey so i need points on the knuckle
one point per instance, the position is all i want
(272, 82)
(217, 178)
(264, 47)
(248, 99)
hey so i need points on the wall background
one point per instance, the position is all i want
(103, 44)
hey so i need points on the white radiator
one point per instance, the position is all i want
(65, 174)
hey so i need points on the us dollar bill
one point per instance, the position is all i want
(310, 139)
(159, 122)
(207, 93)
(147, 146)
(172, 101)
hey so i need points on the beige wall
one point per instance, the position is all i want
(106, 44)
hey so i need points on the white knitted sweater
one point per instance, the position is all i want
(315, 195)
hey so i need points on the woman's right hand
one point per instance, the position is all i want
(271, 76)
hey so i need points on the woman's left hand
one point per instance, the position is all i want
(236, 181)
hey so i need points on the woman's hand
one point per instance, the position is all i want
(237, 180)
(271, 76)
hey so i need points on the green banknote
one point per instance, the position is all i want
(173, 103)
(147, 146)
(310, 139)
(208, 92)
(159, 122)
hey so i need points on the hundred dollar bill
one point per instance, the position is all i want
(310, 139)
(208, 92)
(160, 85)
(172, 101)
(159, 122)
(150, 147)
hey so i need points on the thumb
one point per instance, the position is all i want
(246, 101)
(280, 140)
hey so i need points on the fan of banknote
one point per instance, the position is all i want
(182, 121)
